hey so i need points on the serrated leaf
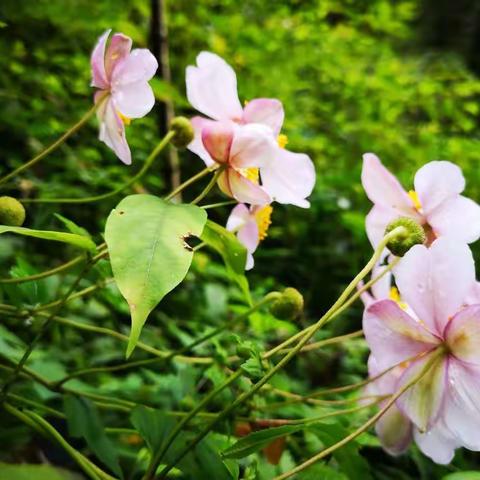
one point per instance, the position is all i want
(146, 238)
(258, 440)
(73, 239)
(152, 425)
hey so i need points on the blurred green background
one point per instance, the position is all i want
(397, 78)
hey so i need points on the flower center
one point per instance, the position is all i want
(395, 296)
(123, 118)
(251, 173)
(263, 219)
(416, 201)
(282, 140)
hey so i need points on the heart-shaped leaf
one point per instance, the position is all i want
(146, 239)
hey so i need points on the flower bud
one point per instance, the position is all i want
(288, 306)
(12, 212)
(414, 234)
(184, 133)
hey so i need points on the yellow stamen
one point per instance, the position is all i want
(395, 296)
(263, 219)
(282, 140)
(124, 119)
(414, 197)
(245, 103)
(251, 173)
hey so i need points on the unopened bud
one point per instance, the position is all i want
(184, 133)
(12, 212)
(413, 234)
(288, 306)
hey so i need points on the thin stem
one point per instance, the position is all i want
(219, 204)
(208, 188)
(148, 163)
(246, 395)
(328, 341)
(54, 145)
(188, 182)
(369, 423)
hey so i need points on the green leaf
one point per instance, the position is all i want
(152, 425)
(37, 472)
(146, 239)
(462, 476)
(84, 422)
(72, 227)
(73, 239)
(233, 253)
(258, 440)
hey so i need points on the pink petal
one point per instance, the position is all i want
(248, 235)
(289, 177)
(252, 146)
(434, 282)
(112, 131)
(457, 217)
(97, 61)
(438, 444)
(462, 335)
(196, 145)
(212, 88)
(382, 188)
(381, 288)
(134, 100)
(436, 182)
(473, 296)
(250, 261)
(138, 67)
(267, 111)
(238, 217)
(117, 52)
(241, 189)
(394, 431)
(393, 336)
(386, 384)
(376, 222)
(422, 402)
(217, 139)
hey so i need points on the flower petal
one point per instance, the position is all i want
(248, 235)
(289, 177)
(112, 131)
(139, 66)
(117, 52)
(97, 61)
(422, 402)
(462, 335)
(393, 336)
(457, 217)
(238, 217)
(395, 431)
(473, 296)
(382, 188)
(436, 182)
(217, 139)
(134, 100)
(196, 145)
(267, 111)
(438, 444)
(381, 288)
(434, 282)
(241, 189)
(250, 261)
(252, 146)
(212, 88)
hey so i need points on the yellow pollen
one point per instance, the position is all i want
(245, 103)
(414, 197)
(263, 219)
(124, 119)
(395, 296)
(282, 140)
(251, 173)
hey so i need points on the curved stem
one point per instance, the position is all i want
(369, 423)
(219, 204)
(188, 182)
(209, 187)
(55, 144)
(246, 395)
(148, 163)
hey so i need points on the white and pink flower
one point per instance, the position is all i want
(436, 203)
(443, 405)
(212, 89)
(121, 75)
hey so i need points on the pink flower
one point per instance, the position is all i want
(436, 202)
(251, 226)
(212, 89)
(121, 75)
(443, 405)
(239, 152)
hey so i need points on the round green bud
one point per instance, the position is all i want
(288, 306)
(413, 234)
(12, 212)
(184, 133)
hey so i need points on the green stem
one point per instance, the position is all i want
(188, 182)
(54, 145)
(148, 163)
(219, 204)
(208, 188)
(369, 423)
(246, 395)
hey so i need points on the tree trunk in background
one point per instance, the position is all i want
(159, 42)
